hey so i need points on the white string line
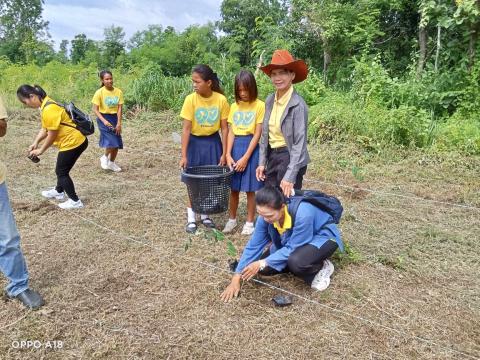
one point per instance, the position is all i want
(286, 291)
(345, 313)
(370, 257)
(128, 237)
(368, 321)
(410, 197)
(366, 257)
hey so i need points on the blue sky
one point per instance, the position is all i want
(68, 18)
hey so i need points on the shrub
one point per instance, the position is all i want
(339, 116)
(155, 91)
(459, 134)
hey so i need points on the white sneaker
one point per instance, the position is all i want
(104, 162)
(322, 279)
(230, 226)
(114, 167)
(53, 194)
(248, 229)
(70, 204)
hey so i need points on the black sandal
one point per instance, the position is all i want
(191, 227)
(207, 222)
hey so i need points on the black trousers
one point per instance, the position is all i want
(277, 164)
(65, 161)
(305, 262)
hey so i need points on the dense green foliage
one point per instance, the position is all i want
(382, 72)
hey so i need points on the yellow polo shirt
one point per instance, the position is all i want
(275, 136)
(205, 113)
(107, 100)
(244, 116)
(287, 223)
(67, 137)
(3, 115)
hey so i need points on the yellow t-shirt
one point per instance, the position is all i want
(244, 116)
(107, 100)
(287, 223)
(52, 116)
(3, 116)
(275, 136)
(205, 113)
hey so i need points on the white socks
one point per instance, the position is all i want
(190, 215)
(249, 224)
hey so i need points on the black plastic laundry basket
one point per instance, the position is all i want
(208, 188)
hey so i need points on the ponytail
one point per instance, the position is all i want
(25, 91)
(206, 73)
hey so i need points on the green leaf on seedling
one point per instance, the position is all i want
(231, 250)
(219, 236)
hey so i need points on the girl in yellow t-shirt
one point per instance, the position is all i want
(245, 119)
(107, 105)
(58, 130)
(204, 113)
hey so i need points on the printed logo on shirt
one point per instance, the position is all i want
(206, 116)
(243, 118)
(111, 101)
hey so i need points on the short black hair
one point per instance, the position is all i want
(246, 79)
(270, 196)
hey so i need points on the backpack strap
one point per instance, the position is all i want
(63, 107)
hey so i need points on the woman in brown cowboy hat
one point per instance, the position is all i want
(283, 145)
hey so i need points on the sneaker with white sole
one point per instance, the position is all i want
(322, 279)
(53, 194)
(70, 204)
(248, 229)
(230, 226)
(114, 167)
(104, 162)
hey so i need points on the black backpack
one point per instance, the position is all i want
(327, 203)
(82, 121)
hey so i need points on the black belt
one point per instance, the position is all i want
(279, 149)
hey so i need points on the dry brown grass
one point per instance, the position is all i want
(118, 283)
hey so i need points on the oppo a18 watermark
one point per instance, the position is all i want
(37, 344)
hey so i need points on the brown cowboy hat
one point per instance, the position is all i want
(282, 59)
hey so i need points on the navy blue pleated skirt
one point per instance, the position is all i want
(108, 138)
(204, 150)
(246, 180)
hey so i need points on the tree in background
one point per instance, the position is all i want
(239, 24)
(113, 46)
(85, 50)
(467, 15)
(62, 54)
(176, 53)
(23, 33)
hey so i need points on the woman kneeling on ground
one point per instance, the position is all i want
(58, 130)
(301, 248)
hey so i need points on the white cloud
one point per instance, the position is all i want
(91, 17)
